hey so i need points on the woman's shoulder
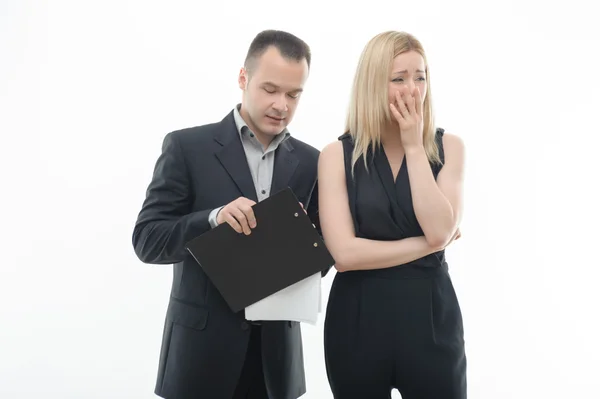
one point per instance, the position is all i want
(337, 145)
(451, 147)
(333, 149)
(446, 139)
(450, 141)
(336, 151)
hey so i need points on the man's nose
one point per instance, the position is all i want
(280, 104)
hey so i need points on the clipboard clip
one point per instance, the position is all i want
(315, 244)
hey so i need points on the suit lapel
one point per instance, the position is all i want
(233, 158)
(284, 166)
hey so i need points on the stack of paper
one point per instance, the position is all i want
(298, 302)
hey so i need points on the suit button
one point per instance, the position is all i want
(245, 326)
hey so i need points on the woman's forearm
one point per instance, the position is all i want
(433, 210)
(363, 254)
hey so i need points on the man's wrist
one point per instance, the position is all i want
(212, 217)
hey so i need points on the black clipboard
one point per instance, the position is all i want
(283, 249)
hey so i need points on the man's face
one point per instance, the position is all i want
(272, 90)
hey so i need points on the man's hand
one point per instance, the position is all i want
(302, 205)
(239, 215)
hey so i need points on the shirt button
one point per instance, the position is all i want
(263, 191)
(263, 157)
(245, 326)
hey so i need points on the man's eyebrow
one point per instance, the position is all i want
(271, 84)
(277, 87)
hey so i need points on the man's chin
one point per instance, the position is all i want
(273, 130)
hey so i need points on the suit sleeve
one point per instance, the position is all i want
(166, 223)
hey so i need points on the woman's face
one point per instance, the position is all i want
(408, 70)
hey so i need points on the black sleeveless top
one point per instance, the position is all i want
(381, 208)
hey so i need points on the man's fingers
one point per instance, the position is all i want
(241, 219)
(232, 222)
(247, 201)
(302, 205)
(249, 214)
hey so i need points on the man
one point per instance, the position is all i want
(213, 174)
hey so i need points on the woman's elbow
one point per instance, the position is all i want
(343, 251)
(438, 241)
(342, 263)
(341, 267)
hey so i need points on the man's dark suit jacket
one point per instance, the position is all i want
(204, 342)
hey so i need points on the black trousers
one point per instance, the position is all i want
(395, 328)
(251, 384)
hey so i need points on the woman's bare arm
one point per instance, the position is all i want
(437, 204)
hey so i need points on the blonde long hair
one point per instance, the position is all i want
(369, 110)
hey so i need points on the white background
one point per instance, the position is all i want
(88, 89)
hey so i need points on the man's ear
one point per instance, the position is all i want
(243, 78)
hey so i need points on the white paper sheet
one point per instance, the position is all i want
(298, 302)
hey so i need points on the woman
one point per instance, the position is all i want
(390, 201)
